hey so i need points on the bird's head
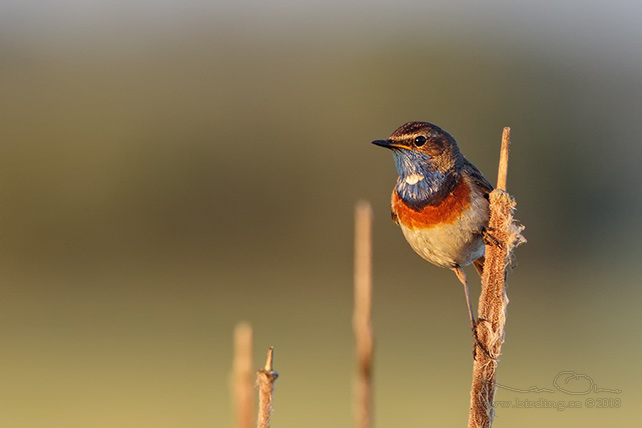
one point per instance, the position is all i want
(422, 143)
(427, 159)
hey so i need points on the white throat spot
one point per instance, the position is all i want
(414, 179)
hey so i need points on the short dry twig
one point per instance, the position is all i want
(243, 380)
(362, 318)
(265, 379)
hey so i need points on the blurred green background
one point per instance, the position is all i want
(169, 169)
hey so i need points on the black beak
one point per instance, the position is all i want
(383, 143)
(389, 144)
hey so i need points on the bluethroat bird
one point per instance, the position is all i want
(440, 200)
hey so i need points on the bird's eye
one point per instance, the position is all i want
(420, 141)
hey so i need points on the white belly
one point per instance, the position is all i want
(448, 245)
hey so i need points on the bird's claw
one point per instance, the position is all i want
(488, 235)
(478, 344)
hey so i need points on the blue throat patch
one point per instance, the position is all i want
(411, 166)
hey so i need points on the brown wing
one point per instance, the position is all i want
(476, 176)
(471, 171)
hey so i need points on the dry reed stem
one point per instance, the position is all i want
(493, 300)
(362, 315)
(265, 379)
(502, 171)
(243, 376)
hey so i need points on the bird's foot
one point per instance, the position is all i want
(488, 235)
(478, 344)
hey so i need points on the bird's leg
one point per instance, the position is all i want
(461, 275)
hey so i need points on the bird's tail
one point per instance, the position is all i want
(479, 265)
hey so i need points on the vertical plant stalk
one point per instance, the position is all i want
(505, 236)
(362, 314)
(265, 379)
(243, 381)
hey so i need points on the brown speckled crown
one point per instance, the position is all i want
(412, 128)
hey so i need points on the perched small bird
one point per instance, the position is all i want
(440, 200)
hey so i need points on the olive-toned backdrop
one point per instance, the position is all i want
(170, 169)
